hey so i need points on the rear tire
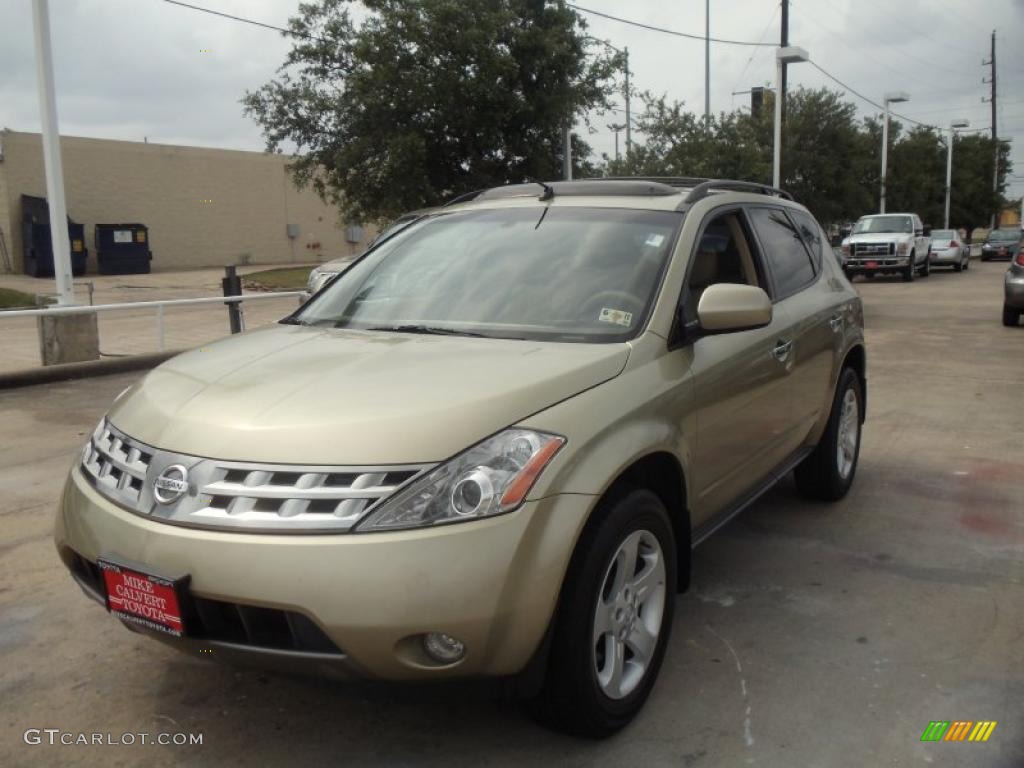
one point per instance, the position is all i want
(926, 269)
(1011, 316)
(582, 693)
(958, 267)
(828, 472)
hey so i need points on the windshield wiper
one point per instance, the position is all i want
(427, 329)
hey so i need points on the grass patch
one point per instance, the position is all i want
(12, 299)
(284, 279)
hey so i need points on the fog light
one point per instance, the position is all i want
(443, 648)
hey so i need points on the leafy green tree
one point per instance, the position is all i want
(427, 99)
(917, 176)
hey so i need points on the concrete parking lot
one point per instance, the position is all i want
(814, 635)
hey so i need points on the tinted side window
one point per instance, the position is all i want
(811, 233)
(783, 250)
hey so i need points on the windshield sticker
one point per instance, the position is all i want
(654, 241)
(616, 316)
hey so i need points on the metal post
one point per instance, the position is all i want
(885, 151)
(566, 153)
(629, 121)
(777, 149)
(232, 285)
(160, 328)
(707, 63)
(51, 155)
(995, 139)
(949, 175)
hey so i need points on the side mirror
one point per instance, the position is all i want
(726, 307)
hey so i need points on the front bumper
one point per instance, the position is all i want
(864, 265)
(493, 584)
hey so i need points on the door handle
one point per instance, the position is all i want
(836, 322)
(781, 350)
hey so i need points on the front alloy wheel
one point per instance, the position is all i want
(627, 618)
(614, 617)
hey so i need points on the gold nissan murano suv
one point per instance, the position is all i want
(487, 448)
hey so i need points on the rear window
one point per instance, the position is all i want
(783, 249)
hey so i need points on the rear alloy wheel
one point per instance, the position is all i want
(908, 273)
(614, 618)
(1011, 316)
(827, 473)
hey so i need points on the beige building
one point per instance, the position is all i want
(203, 207)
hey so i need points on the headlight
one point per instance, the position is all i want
(901, 249)
(491, 478)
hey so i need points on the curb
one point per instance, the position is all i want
(66, 371)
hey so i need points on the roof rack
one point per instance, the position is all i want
(672, 181)
(705, 188)
(629, 187)
(465, 197)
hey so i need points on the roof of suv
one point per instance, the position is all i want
(666, 193)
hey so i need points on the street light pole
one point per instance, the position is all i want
(59, 243)
(890, 98)
(629, 135)
(949, 164)
(791, 54)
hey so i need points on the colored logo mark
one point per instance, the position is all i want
(958, 730)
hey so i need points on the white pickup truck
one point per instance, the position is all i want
(886, 243)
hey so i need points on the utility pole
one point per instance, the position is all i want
(707, 63)
(629, 122)
(780, 93)
(995, 137)
(783, 42)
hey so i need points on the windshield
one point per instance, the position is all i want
(1004, 234)
(943, 234)
(561, 274)
(873, 224)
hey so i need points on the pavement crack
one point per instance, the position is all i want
(748, 734)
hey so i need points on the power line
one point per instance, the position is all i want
(242, 19)
(652, 28)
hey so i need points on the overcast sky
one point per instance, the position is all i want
(129, 69)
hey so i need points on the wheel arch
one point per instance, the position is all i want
(661, 473)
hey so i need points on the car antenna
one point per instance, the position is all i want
(549, 191)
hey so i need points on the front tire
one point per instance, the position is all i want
(614, 618)
(1011, 316)
(908, 273)
(828, 472)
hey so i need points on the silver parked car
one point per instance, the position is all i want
(949, 250)
(1013, 299)
(320, 276)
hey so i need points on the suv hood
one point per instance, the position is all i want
(293, 394)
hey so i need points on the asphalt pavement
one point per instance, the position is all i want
(814, 634)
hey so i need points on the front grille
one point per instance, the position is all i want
(873, 249)
(239, 495)
(116, 466)
(220, 621)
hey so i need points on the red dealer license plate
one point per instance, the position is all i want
(150, 601)
(871, 264)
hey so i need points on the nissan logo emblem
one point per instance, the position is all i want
(171, 484)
